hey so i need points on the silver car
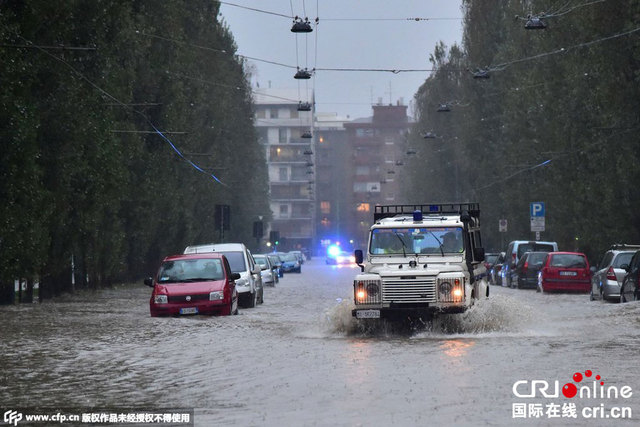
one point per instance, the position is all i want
(606, 281)
(268, 270)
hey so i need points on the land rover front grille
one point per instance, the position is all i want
(409, 289)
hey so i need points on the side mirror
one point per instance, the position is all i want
(149, 282)
(263, 267)
(235, 276)
(478, 254)
(359, 256)
(256, 269)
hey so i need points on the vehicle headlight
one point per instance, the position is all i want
(161, 299)
(367, 291)
(445, 288)
(216, 296)
(451, 289)
(241, 282)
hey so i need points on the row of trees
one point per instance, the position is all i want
(556, 121)
(84, 172)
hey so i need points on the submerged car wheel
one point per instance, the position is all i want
(253, 299)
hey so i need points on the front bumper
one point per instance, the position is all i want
(403, 311)
(183, 308)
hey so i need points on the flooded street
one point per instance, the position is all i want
(300, 359)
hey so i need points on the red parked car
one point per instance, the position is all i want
(194, 284)
(566, 272)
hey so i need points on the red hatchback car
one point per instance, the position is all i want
(194, 284)
(566, 272)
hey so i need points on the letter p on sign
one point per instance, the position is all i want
(537, 209)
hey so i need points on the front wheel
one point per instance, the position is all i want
(253, 300)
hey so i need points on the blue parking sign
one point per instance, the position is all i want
(536, 209)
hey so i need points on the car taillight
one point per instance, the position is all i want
(611, 275)
(526, 265)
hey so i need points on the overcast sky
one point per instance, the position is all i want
(350, 34)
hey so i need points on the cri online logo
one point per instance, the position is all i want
(584, 390)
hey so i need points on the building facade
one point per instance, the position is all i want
(284, 127)
(378, 150)
(332, 182)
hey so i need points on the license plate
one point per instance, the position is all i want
(568, 273)
(368, 314)
(189, 310)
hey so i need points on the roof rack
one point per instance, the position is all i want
(387, 211)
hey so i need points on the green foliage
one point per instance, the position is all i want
(575, 109)
(83, 173)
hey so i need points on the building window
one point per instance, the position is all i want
(359, 187)
(283, 174)
(261, 114)
(282, 135)
(363, 207)
(273, 113)
(294, 113)
(284, 210)
(325, 207)
(362, 170)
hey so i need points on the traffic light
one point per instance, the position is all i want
(274, 237)
(222, 217)
(257, 229)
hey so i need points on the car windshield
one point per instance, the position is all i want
(236, 261)
(260, 259)
(289, 257)
(274, 259)
(401, 241)
(568, 261)
(190, 270)
(536, 258)
(622, 258)
(530, 247)
(491, 258)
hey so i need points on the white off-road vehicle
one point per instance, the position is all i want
(421, 260)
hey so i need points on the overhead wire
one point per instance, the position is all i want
(117, 101)
(256, 9)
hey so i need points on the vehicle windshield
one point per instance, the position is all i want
(401, 241)
(536, 258)
(530, 247)
(568, 261)
(491, 258)
(191, 270)
(260, 260)
(622, 258)
(236, 261)
(275, 259)
(288, 257)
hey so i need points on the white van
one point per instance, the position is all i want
(249, 286)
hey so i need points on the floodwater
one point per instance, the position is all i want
(302, 360)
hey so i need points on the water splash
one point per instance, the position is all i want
(497, 314)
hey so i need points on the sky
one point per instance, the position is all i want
(370, 34)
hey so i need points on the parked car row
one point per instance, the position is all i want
(216, 279)
(539, 265)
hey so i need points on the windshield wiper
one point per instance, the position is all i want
(404, 253)
(438, 240)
